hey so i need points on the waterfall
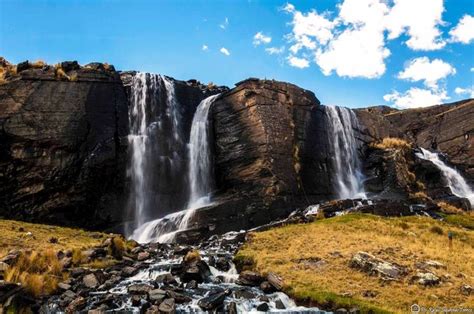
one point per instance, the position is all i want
(345, 159)
(156, 147)
(455, 181)
(200, 182)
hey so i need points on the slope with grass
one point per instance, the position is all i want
(314, 260)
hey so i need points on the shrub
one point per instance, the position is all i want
(437, 230)
(192, 256)
(392, 143)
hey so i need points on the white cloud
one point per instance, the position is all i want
(419, 19)
(472, 69)
(225, 51)
(430, 72)
(465, 91)
(260, 38)
(416, 97)
(224, 24)
(352, 43)
(275, 50)
(298, 62)
(205, 48)
(464, 31)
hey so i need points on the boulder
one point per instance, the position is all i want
(250, 278)
(157, 295)
(196, 270)
(139, 288)
(374, 266)
(90, 281)
(167, 306)
(213, 301)
(426, 278)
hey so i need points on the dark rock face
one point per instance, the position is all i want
(62, 147)
(447, 128)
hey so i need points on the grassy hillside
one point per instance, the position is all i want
(314, 260)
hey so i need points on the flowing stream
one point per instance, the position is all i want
(200, 182)
(454, 180)
(345, 158)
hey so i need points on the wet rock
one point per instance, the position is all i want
(154, 309)
(157, 295)
(244, 294)
(90, 281)
(222, 264)
(263, 307)
(77, 305)
(213, 301)
(426, 279)
(250, 278)
(166, 279)
(136, 299)
(167, 306)
(139, 288)
(129, 271)
(374, 266)
(196, 270)
(142, 256)
(279, 305)
(178, 297)
(193, 284)
(232, 308)
(266, 287)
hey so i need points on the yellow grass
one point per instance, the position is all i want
(392, 142)
(38, 272)
(449, 209)
(405, 241)
(38, 64)
(14, 235)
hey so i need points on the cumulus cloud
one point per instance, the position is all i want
(260, 38)
(420, 20)
(465, 91)
(225, 51)
(352, 43)
(275, 50)
(430, 72)
(224, 24)
(205, 48)
(464, 31)
(298, 62)
(416, 97)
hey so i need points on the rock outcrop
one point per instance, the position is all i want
(62, 145)
(446, 128)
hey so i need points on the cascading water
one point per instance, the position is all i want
(455, 181)
(200, 181)
(156, 145)
(346, 163)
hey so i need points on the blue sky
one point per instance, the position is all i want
(355, 53)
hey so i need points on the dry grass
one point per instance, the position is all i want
(391, 143)
(14, 235)
(38, 272)
(449, 209)
(38, 64)
(192, 256)
(405, 241)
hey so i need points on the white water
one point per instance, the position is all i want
(200, 181)
(455, 181)
(346, 163)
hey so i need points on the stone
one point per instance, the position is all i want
(374, 266)
(166, 279)
(212, 301)
(250, 278)
(76, 305)
(275, 280)
(263, 307)
(64, 286)
(178, 297)
(139, 288)
(193, 284)
(426, 279)
(167, 306)
(90, 281)
(222, 264)
(154, 309)
(196, 270)
(279, 305)
(266, 287)
(157, 295)
(142, 256)
(244, 294)
(467, 290)
(231, 308)
(129, 271)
